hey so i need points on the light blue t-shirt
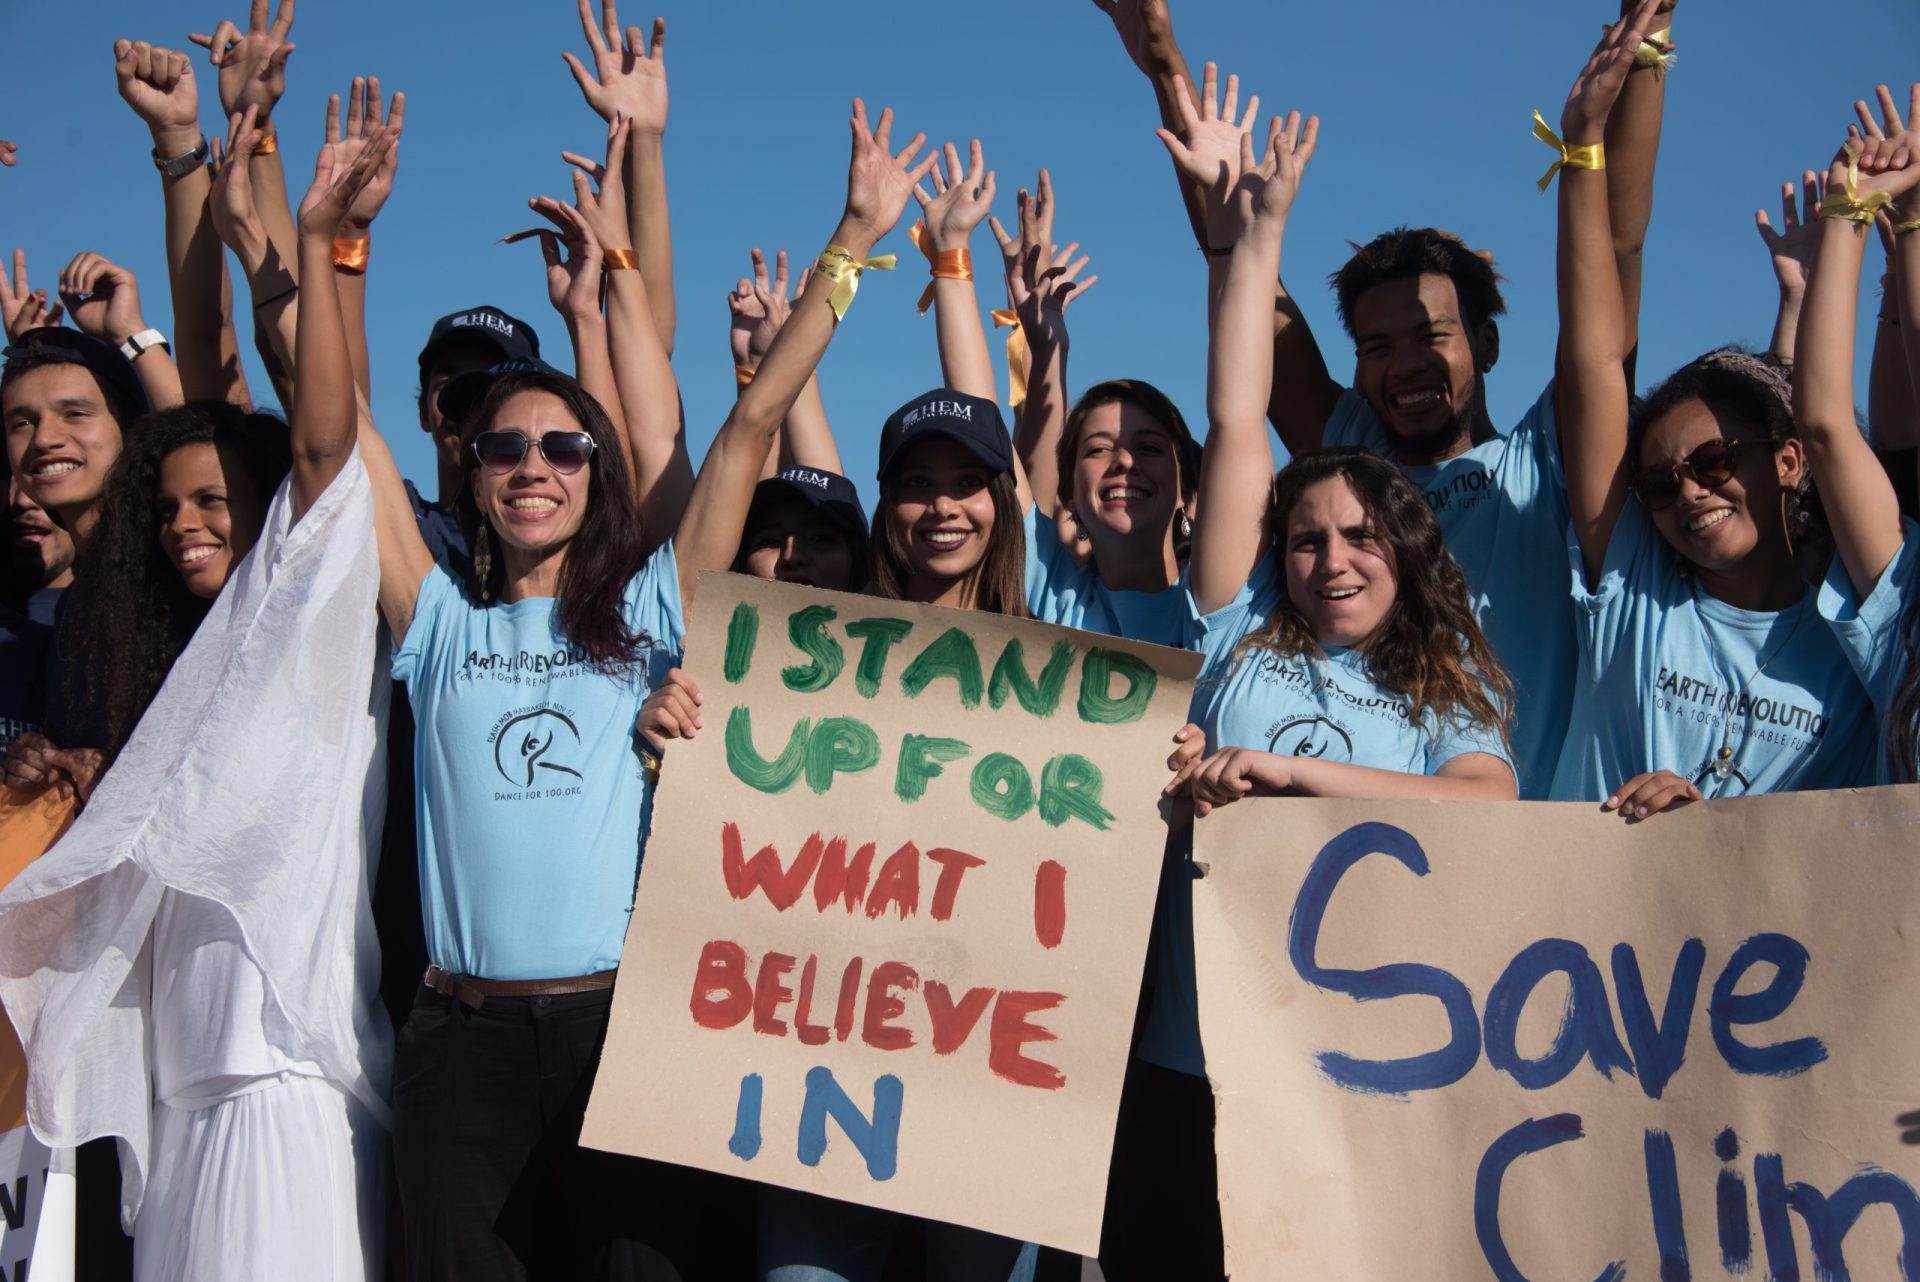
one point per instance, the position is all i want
(1670, 674)
(532, 800)
(1870, 632)
(1321, 705)
(1063, 592)
(1502, 507)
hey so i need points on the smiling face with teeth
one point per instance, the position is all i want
(938, 510)
(209, 515)
(61, 440)
(533, 509)
(1341, 575)
(1418, 361)
(1126, 479)
(1735, 527)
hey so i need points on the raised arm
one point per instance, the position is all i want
(1041, 292)
(1859, 500)
(1590, 395)
(1791, 250)
(253, 73)
(649, 395)
(270, 281)
(878, 182)
(22, 307)
(1893, 412)
(959, 205)
(159, 85)
(1246, 206)
(1145, 28)
(353, 246)
(104, 300)
(758, 307)
(573, 287)
(629, 78)
(325, 403)
(1633, 148)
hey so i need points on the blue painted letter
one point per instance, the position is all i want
(1586, 1027)
(1788, 957)
(877, 1139)
(1531, 1136)
(1658, 1049)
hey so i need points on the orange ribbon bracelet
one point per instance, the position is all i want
(350, 253)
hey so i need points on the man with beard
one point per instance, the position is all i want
(1422, 309)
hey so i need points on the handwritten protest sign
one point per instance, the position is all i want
(1533, 1042)
(894, 910)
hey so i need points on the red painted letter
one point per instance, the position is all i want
(849, 993)
(882, 1006)
(783, 885)
(898, 883)
(1049, 903)
(721, 995)
(1011, 1030)
(953, 866)
(810, 1034)
(952, 1023)
(769, 994)
(837, 879)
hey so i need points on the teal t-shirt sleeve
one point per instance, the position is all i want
(1636, 559)
(1870, 631)
(1455, 737)
(1353, 422)
(653, 609)
(437, 590)
(1215, 635)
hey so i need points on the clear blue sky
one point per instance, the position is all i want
(1425, 121)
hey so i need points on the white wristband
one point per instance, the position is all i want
(141, 342)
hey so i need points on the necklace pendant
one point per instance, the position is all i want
(1723, 764)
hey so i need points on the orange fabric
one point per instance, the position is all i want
(30, 822)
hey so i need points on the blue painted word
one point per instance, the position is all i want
(875, 1136)
(1653, 1050)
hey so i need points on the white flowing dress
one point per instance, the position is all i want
(193, 968)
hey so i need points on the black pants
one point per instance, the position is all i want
(1163, 1209)
(487, 1109)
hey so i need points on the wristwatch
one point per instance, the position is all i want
(183, 164)
(142, 342)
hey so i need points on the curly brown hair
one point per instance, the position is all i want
(1428, 648)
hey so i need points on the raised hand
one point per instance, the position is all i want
(1584, 119)
(236, 220)
(962, 200)
(1211, 144)
(1035, 221)
(158, 84)
(602, 203)
(1887, 152)
(342, 171)
(102, 298)
(629, 75)
(1042, 289)
(1144, 25)
(1792, 245)
(879, 180)
(253, 65)
(759, 308)
(573, 283)
(21, 306)
(364, 121)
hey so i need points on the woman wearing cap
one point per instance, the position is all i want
(525, 678)
(199, 987)
(1706, 669)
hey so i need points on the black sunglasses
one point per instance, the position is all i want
(1710, 464)
(565, 452)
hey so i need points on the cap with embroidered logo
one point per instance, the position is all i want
(511, 337)
(970, 421)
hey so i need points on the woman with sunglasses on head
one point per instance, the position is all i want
(1870, 597)
(199, 987)
(1706, 671)
(525, 676)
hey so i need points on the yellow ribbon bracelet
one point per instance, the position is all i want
(1912, 224)
(843, 269)
(1654, 51)
(1846, 203)
(1586, 156)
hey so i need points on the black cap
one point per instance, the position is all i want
(513, 338)
(459, 394)
(831, 493)
(970, 420)
(114, 372)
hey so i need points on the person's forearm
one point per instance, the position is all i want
(650, 398)
(806, 438)
(1165, 63)
(1318, 778)
(1041, 420)
(276, 214)
(1786, 325)
(353, 314)
(204, 344)
(965, 364)
(1906, 288)
(1304, 392)
(593, 370)
(1239, 358)
(159, 378)
(651, 230)
(1633, 149)
(324, 410)
(1591, 391)
(1892, 420)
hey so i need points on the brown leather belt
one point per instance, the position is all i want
(473, 992)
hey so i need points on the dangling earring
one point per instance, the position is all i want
(483, 562)
(1786, 524)
(1182, 524)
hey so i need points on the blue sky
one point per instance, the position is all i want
(1425, 120)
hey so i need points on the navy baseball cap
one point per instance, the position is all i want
(513, 338)
(114, 372)
(972, 421)
(462, 392)
(829, 492)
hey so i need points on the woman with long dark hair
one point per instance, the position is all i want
(1870, 597)
(1705, 670)
(525, 674)
(192, 966)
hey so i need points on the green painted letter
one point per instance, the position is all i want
(750, 768)
(743, 629)
(1097, 704)
(1070, 789)
(876, 636)
(951, 655)
(920, 758)
(807, 629)
(1002, 786)
(840, 745)
(1042, 697)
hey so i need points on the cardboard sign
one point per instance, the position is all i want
(1527, 1041)
(894, 908)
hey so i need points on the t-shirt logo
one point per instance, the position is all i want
(1312, 737)
(532, 741)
